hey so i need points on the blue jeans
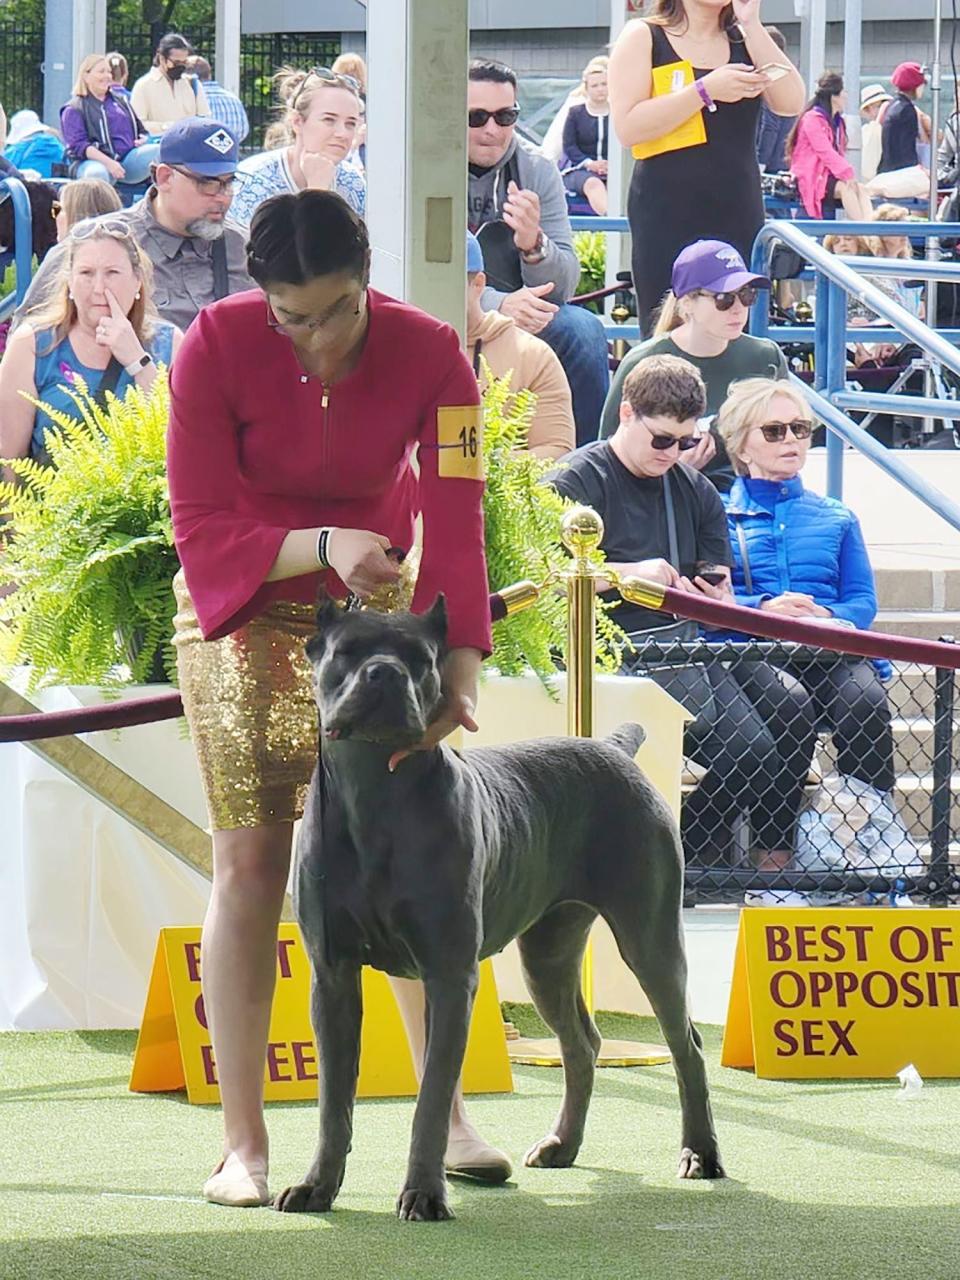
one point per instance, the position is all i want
(136, 164)
(577, 337)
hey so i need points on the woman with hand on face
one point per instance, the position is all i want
(685, 89)
(799, 555)
(323, 114)
(296, 412)
(104, 135)
(97, 324)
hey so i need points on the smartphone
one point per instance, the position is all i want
(773, 70)
(709, 573)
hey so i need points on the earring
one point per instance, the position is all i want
(136, 296)
(69, 296)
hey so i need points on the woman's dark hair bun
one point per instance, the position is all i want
(298, 237)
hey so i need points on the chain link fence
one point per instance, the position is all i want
(811, 776)
(261, 54)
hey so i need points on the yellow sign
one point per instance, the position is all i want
(173, 1047)
(460, 441)
(692, 132)
(842, 993)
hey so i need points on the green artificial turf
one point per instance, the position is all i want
(826, 1181)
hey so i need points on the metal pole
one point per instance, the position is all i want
(852, 30)
(941, 798)
(582, 533)
(933, 246)
(835, 380)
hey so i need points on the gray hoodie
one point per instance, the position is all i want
(486, 193)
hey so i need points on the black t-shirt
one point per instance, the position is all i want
(899, 131)
(635, 518)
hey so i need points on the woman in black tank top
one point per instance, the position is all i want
(710, 190)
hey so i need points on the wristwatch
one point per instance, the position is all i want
(140, 363)
(539, 251)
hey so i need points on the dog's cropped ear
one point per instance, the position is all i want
(328, 615)
(435, 620)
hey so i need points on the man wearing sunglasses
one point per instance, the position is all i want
(752, 727)
(517, 208)
(180, 225)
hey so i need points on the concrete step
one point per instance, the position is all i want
(913, 796)
(912, 742)
(912, 691)
(918, 588)
(922, 624)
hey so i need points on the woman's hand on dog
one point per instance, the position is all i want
(460, 675)
(359, 559)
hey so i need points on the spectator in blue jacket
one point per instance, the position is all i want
(799, 555)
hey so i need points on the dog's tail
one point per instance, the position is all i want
(628, 737)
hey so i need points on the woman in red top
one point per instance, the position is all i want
(295, 415)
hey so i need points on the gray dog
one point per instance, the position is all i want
(425, 871)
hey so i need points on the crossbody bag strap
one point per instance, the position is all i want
(672, 540)
(108, 383)
(745, 558)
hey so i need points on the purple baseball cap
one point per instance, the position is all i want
(713, 265)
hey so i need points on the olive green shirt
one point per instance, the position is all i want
(745, 357)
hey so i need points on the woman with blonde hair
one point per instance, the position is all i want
(703, 320)
(586, 139)
(323, 113)
(351, 64)
(104, 135)
(97, 326)
(81, 199)
(799, 555)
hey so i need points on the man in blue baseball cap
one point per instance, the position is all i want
(180, 224)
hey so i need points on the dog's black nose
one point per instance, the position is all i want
(386, 673)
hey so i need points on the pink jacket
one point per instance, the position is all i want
(815, 159)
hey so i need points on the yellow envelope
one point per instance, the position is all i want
(671, 78)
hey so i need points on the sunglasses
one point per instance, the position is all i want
(724, 301)
(212, 186)
(102, 226)
(774, 431)
(328, 77)
(291, 328)
(660, 440)
(477, 118)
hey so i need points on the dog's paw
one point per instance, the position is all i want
(305, 1197)
(421, 1204)
(551, 1152)
(695, 1164)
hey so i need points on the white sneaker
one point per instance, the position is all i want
(775, 898)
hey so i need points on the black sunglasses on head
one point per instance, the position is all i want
(724, 301)
(774, 431)
(477, 118)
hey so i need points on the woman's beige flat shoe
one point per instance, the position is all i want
(474, 1158)
(232, 1183)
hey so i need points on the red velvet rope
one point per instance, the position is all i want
(865, 644)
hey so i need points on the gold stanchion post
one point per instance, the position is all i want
(582, 533)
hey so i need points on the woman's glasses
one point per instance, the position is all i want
(774, 431)
(477, 118)
(328, 77)
(661, 440)
(724, 301)
(294, 328)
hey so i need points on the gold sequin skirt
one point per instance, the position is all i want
(248, 699)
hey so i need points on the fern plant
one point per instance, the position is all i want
(591, 250)
(522, 517)
(91, 550)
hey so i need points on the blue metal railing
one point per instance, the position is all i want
(13, 189)
(836, 278)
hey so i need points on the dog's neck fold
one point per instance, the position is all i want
(364, 782)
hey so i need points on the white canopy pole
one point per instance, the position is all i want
(852, 34)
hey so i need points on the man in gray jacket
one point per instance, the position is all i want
(517, 207)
